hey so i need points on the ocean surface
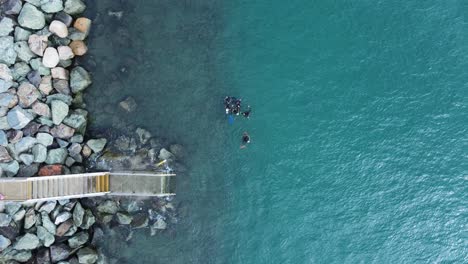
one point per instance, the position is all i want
(359, 146)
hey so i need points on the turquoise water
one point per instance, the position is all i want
(359, 125)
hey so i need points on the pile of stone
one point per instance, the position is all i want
(48, 232)
(42, 115)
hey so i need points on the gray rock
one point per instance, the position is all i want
(56, 156)
(30, 218)
(40, 153)
(27, 242)
(62, 131)
(3, 138)
(165, 155)
(44, 139)
(61, 97)
(25, 144)
(47, 223)
(34, 77)
(46, 85)
(76, 138)
(62, 217)
(7, 99)
(37, 65)
(159, 224)
(11, 7)
(5, 72)
(45, 237)
(97, 145)
(51, 6)
(6, 26)
(76, 120)
(12, 208)
(18, 118)
(59, 111)
(27, 94)
(27, 159)
(74, 7)
(5, 85)
(78, 214)
(88, 219)
(31, 17)
(7, 50)
(4, 123)
(4, 155)
(74, 149)
(64, 18)
(62, 143)
(10, 169)
(64, 227)
(123, 218)
(61, 86)
(20, 70)
(34, 2)
(79, 79)
(69, 162)
(108, 206)
(79, 239)
(59, 252)
(48, 207)
(23, 52)
(72, 230)
(37, 44)
(4, 243)
(5, 219)
(129, 104)
(21, 34)
(20, 256)
(45, 121)
(140, 220)
(143, 135)
(28, 171)
(43, 256)
(87, 256)
(41, 109)
(19, 215)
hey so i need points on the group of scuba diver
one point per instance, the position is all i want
(233, 107)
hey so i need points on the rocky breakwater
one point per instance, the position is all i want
(42, 115)
(49, 232)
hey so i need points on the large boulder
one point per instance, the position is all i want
(51, 57)
(27, 94)
(18, 118)
(31, 17)
(51, 6)
(87, 256)
(5, 73)
(27, 242)
(59, 111)
(74, 7)
(7, 50)
(79, 79)
(6, 26)
(39, 152)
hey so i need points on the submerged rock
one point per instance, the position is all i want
(59, 252)
(109, 207)
(129, 104)
(87, 256)
(78, 239)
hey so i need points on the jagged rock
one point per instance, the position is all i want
(28, 171)
(61, 86)
(87, 256)
(41, 109)
(30, 218)
(62, 97)
(71, 231)
(51, 57)
(60, 73)
(4, 123)
(159, 224)
(70, 205)
(7, 50)
(27, 94)
(59, 111)
(50, 170)
(62, 217)
(59, 252)
(4, 243)
(11, 7)
(52, 6)
(47, 223)
(62, 143)
(79, 239)
(4, 155)
(43, 256)
(65, 53)
(76, 120)
(27, 159)
(108, 206)
(143, 135)
(18, 216)
(76, 138)
(20, 256)
(37, 65)
(88, 219)
(18, 118)
(20, 70)
(23, 52)
(5, 72)
(74, 7)
(58, 28)
(62, 131)
(27, 242)
(124, 219)
(64, 227)
(37, 44)
(8, 99)
(6, 26)
(44, 139)
(128, 104)
(45, 236)
(46, 85)
(79, 79)
(56, 156)
(78, 214)
(64, 18)
(4, 219)
(9, 169)
(34, 77)
(36, 3)
(165, 155)
(31, 17)
(3, 138)
(25, 144)
(21, 34)
(96, 145)
(48, 207)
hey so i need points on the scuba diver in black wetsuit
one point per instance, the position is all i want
(247, 113)
(245, 140)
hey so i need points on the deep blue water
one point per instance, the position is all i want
(359, 125)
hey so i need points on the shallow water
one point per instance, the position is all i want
(358, 128)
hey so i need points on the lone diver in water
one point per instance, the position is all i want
(245, 140)
(247, 112)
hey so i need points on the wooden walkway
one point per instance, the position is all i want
(87, 185)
